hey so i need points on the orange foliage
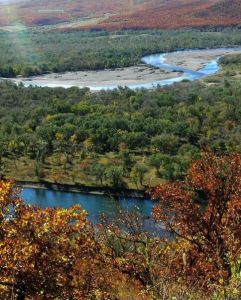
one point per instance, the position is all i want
(205, 213)
(177, 14)
(115, 14)
(57, 253)
(48, 253)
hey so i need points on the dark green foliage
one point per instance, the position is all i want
(32, 52)
(168, 125)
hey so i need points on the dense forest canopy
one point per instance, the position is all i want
(121, 137)
(32, 52)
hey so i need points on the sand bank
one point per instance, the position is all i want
(197, 59)
(118, 77)
(147, 76)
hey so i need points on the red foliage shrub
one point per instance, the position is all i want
(205, 214)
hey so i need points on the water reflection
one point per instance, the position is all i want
(94, 204)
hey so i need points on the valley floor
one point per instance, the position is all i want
(110, 77)
(137, 75)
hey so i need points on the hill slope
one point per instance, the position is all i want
(119, 14)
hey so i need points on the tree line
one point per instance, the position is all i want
(117, 137)
(34, 51)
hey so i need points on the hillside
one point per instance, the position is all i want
(177, 14)
(114, 14)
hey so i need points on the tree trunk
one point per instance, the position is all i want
(21, 294)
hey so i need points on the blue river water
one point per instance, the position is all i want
(95, 205)
(155, 60)
(158, 60)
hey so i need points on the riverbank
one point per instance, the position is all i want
(77, 188)
(195, 60)
(158, 69)
(109, 78)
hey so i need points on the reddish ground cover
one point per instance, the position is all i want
(114, 14)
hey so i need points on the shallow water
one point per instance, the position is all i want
(155, 60)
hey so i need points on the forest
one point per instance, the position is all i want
(34, 51)
(180, 144)
(119, 138)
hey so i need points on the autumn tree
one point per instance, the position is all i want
(56, 253)
(131, 249)
(204, 212)
(48, 253)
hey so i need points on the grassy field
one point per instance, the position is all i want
(57, 170)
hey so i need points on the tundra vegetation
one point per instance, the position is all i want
(115, 15)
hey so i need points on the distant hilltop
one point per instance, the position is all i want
(115, 14)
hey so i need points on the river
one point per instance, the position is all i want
(176, 67)
(94, 205)
(91, 202)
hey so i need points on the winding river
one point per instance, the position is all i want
(95, 204)
(173, 71)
